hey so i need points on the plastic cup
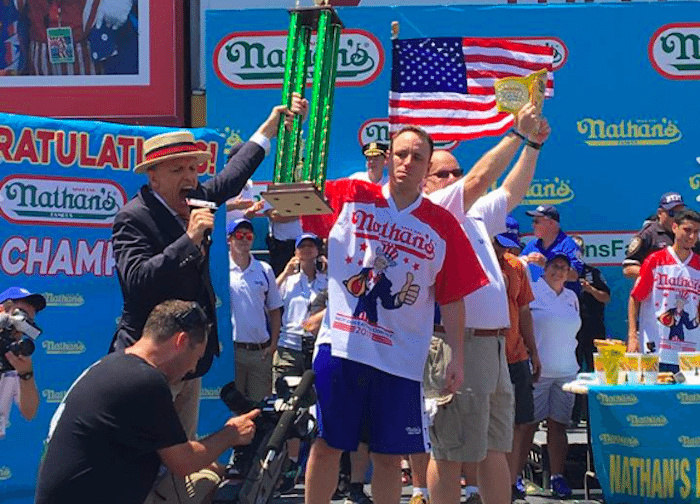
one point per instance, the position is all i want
(648, 368)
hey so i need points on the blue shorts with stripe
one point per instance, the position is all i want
(355, 398)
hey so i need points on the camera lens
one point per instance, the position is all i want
(25, 347)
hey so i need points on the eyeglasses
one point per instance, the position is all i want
(457, 172)
(243, 235)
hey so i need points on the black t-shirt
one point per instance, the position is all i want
(592, 310)
(107, 430)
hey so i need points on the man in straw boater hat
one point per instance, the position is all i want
(158, 241)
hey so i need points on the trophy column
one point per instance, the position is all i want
(297, 187)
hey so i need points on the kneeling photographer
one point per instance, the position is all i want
(18, 307)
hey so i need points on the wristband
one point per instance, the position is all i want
(517, 134)
(26, 376)
(534, 145)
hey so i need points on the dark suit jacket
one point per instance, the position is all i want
(157, 261)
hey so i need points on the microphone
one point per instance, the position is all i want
(200, 203)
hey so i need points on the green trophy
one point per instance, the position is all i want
(298, 182)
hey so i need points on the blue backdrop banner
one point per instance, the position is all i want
(623, 128)
(61, 184)
(645, 443)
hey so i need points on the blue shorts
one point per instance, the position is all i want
(354, 398)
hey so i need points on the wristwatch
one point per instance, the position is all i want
(26, 376)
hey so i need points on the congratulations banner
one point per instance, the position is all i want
(646, 443)
(623, 129)
(61, 184)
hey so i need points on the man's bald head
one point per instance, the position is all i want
(444, 170)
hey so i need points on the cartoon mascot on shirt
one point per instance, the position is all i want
(371, 284)
(676, 319)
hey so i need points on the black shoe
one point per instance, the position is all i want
(357, 497)
(289, 479)
(343, 488)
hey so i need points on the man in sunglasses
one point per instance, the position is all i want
(255, 312)
(656, 234)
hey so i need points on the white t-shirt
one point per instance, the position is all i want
(375, 252)
(286, 230)
(362, 175)
(9, 393)
(246, 193)
(298, 293)
(669, 292)
(252, 291)
(487, 308)
(555, 321)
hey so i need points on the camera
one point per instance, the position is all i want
(10, 323)
(256, 469)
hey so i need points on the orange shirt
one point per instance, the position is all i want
(519, 294)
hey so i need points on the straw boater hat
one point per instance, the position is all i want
(172, 145)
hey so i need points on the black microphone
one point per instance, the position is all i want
(193, 203)
(279, 435)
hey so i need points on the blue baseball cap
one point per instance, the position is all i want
(231, 226)
(671, 200)
(20, 293)
(306, 236)
(545, 211)
(511, 238)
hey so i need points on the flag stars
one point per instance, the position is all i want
(416, 266)
(405, 260)
(363, 247)
(348, 260)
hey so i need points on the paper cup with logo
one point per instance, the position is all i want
(648, 368)
(629, 369)
(689, 365)
(598, 367)
(612, 356)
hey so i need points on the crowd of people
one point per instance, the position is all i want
(419, 285)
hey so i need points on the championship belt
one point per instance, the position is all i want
(298, 182)
(512, 93)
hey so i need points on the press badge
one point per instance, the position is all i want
(60, 41)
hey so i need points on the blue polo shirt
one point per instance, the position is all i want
(562, 244)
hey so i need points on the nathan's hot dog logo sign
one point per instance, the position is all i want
(5, 473)
(65, 300)
(377, 130)
(602, 133)
(549, 192)
(674, 51)
(210, 393)
(256, 59)
(63, 347)
(53, 396)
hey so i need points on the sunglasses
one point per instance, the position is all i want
(446, 173)
(672, 213)
(243, 235)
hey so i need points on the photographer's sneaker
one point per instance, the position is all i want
(559, 486)
(356, 496)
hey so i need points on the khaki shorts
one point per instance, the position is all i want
(197, 488)
(480, 417)
(287, 362)
(253, 374)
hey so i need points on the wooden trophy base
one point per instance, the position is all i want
(298, 198)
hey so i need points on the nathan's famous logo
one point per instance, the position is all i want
(674, 51)
(5, 473)
(63, 347)
(616, 439)
(60, 201)
(416, 243)
(646, 421)
(53, 396)
(210, 393)
(617, 399)
(688, 398)
(689, 442)
(600, 133)
(548, 192)
(257, 59)
(70, 300)
(561, 52)
(377, 130)
(82, 149)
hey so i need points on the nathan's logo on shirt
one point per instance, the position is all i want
(549, 192)
(674, 51)
(210, 393)
(53, 396)
(600, 133)
(405, 239)
(377, 130)
(616, 439)
(60, 201)
(664, 281)
(686, 398)
(5, 473)
(257, 59)
(689, 442)
(646, 421)
(63, 347)
(67, 300)
(617, 399)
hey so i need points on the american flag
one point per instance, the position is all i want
(445, 85)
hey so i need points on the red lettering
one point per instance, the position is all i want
(108, 153)
(126, 143)
(66, 158)
(45, 138)
(7, 138)
(85, 159)
(26, 147)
